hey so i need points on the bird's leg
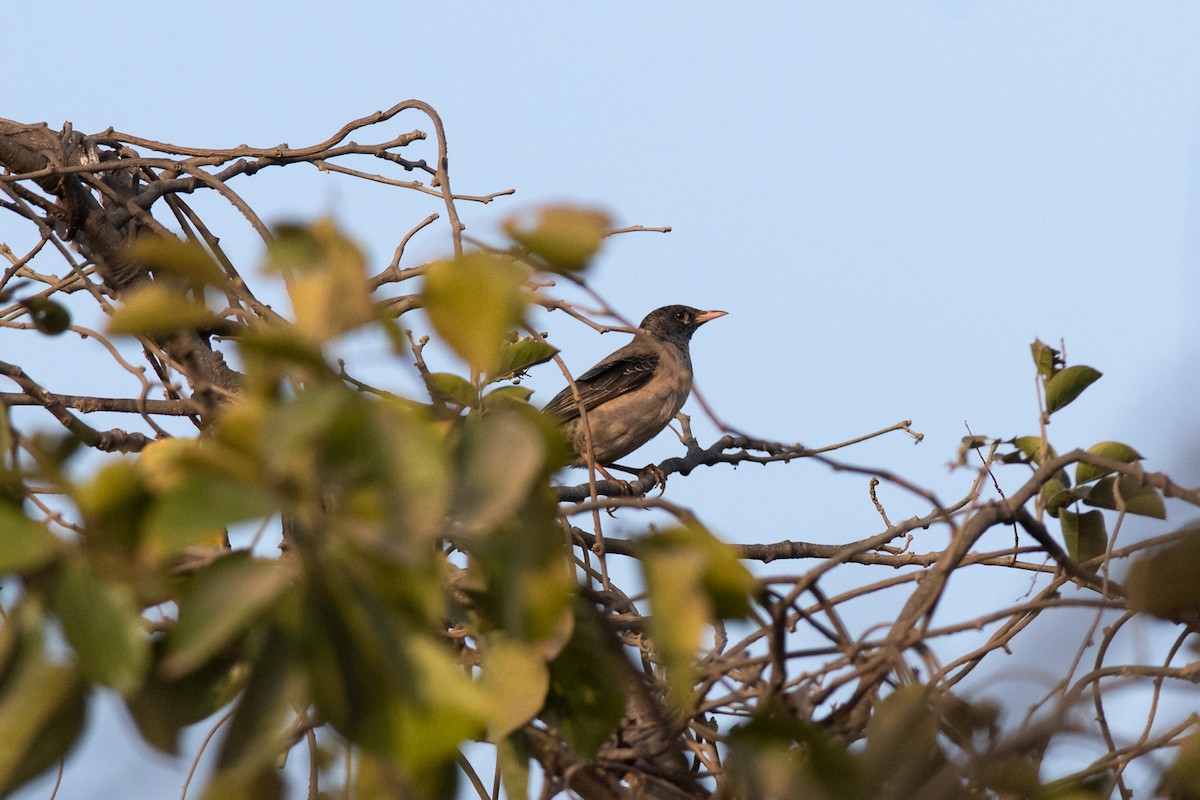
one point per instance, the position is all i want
(624, 484)
(609, 476)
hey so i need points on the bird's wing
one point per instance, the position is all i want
(610, 378)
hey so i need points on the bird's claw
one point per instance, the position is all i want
(654, 473)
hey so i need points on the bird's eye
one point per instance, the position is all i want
(682, 316)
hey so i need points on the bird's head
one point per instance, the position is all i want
(677, 323)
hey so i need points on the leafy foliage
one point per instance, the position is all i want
(433, 588)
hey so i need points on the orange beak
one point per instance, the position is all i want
(707, 315)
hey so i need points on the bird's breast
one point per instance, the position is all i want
(625, 423)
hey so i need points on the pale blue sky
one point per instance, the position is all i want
(891, 200)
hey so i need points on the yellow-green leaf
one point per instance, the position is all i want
(263, 783)
(521, 355)
(41, 715)
(1167, 583)
(502, 454)
(447, 387)
(1068, 384)
(428, 733)
(114, 505)
(24, 544)
(186, 261)
(692, 578)
(1182, 780)
(416, 471)
(513, 761)
(1031, 448)
(1045, 358)
(269, 345)
(155, 309)
(566, 237)
(162, 708)
(1054, 496)
(473, 302)
(325, 274)
(1114, 450)
(1129, 493)
(198, 509)
(516, 679)
(506, 394)
(253, 737)
(680, 609)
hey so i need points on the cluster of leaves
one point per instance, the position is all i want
(432, 589)
(426, 595)
(1085, 533)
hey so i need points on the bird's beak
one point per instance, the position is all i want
(707, 315)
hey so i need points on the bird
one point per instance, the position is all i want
(631, 395)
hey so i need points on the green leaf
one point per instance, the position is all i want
(1045, 358)
(1167, 583)
(1136, 497)
(263, 783)
(416, 475)
(352, 657)
(566, 237)
(1182, 780)
(230, 595)
(507, 394)
(728, 583)
(25, 545)
(1029, 451)
(473, 302)
(256, 735)
(1030, 448)
(1114, 450)
(162, 707)
(901, 751)
(447, 387)
(271, 344)
(973, 442)
(1068, 384)
(501, 456)
(198, 510)
(104, 626)
(48, 317)
(325, 275)
(6, 447)
(521, 355)
(1054, 496)
(766, 763)
(585, 698)
(154, 309)
(1085, 535)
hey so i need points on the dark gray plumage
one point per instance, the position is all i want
(631, 395)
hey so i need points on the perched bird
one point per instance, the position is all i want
(631, 395)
